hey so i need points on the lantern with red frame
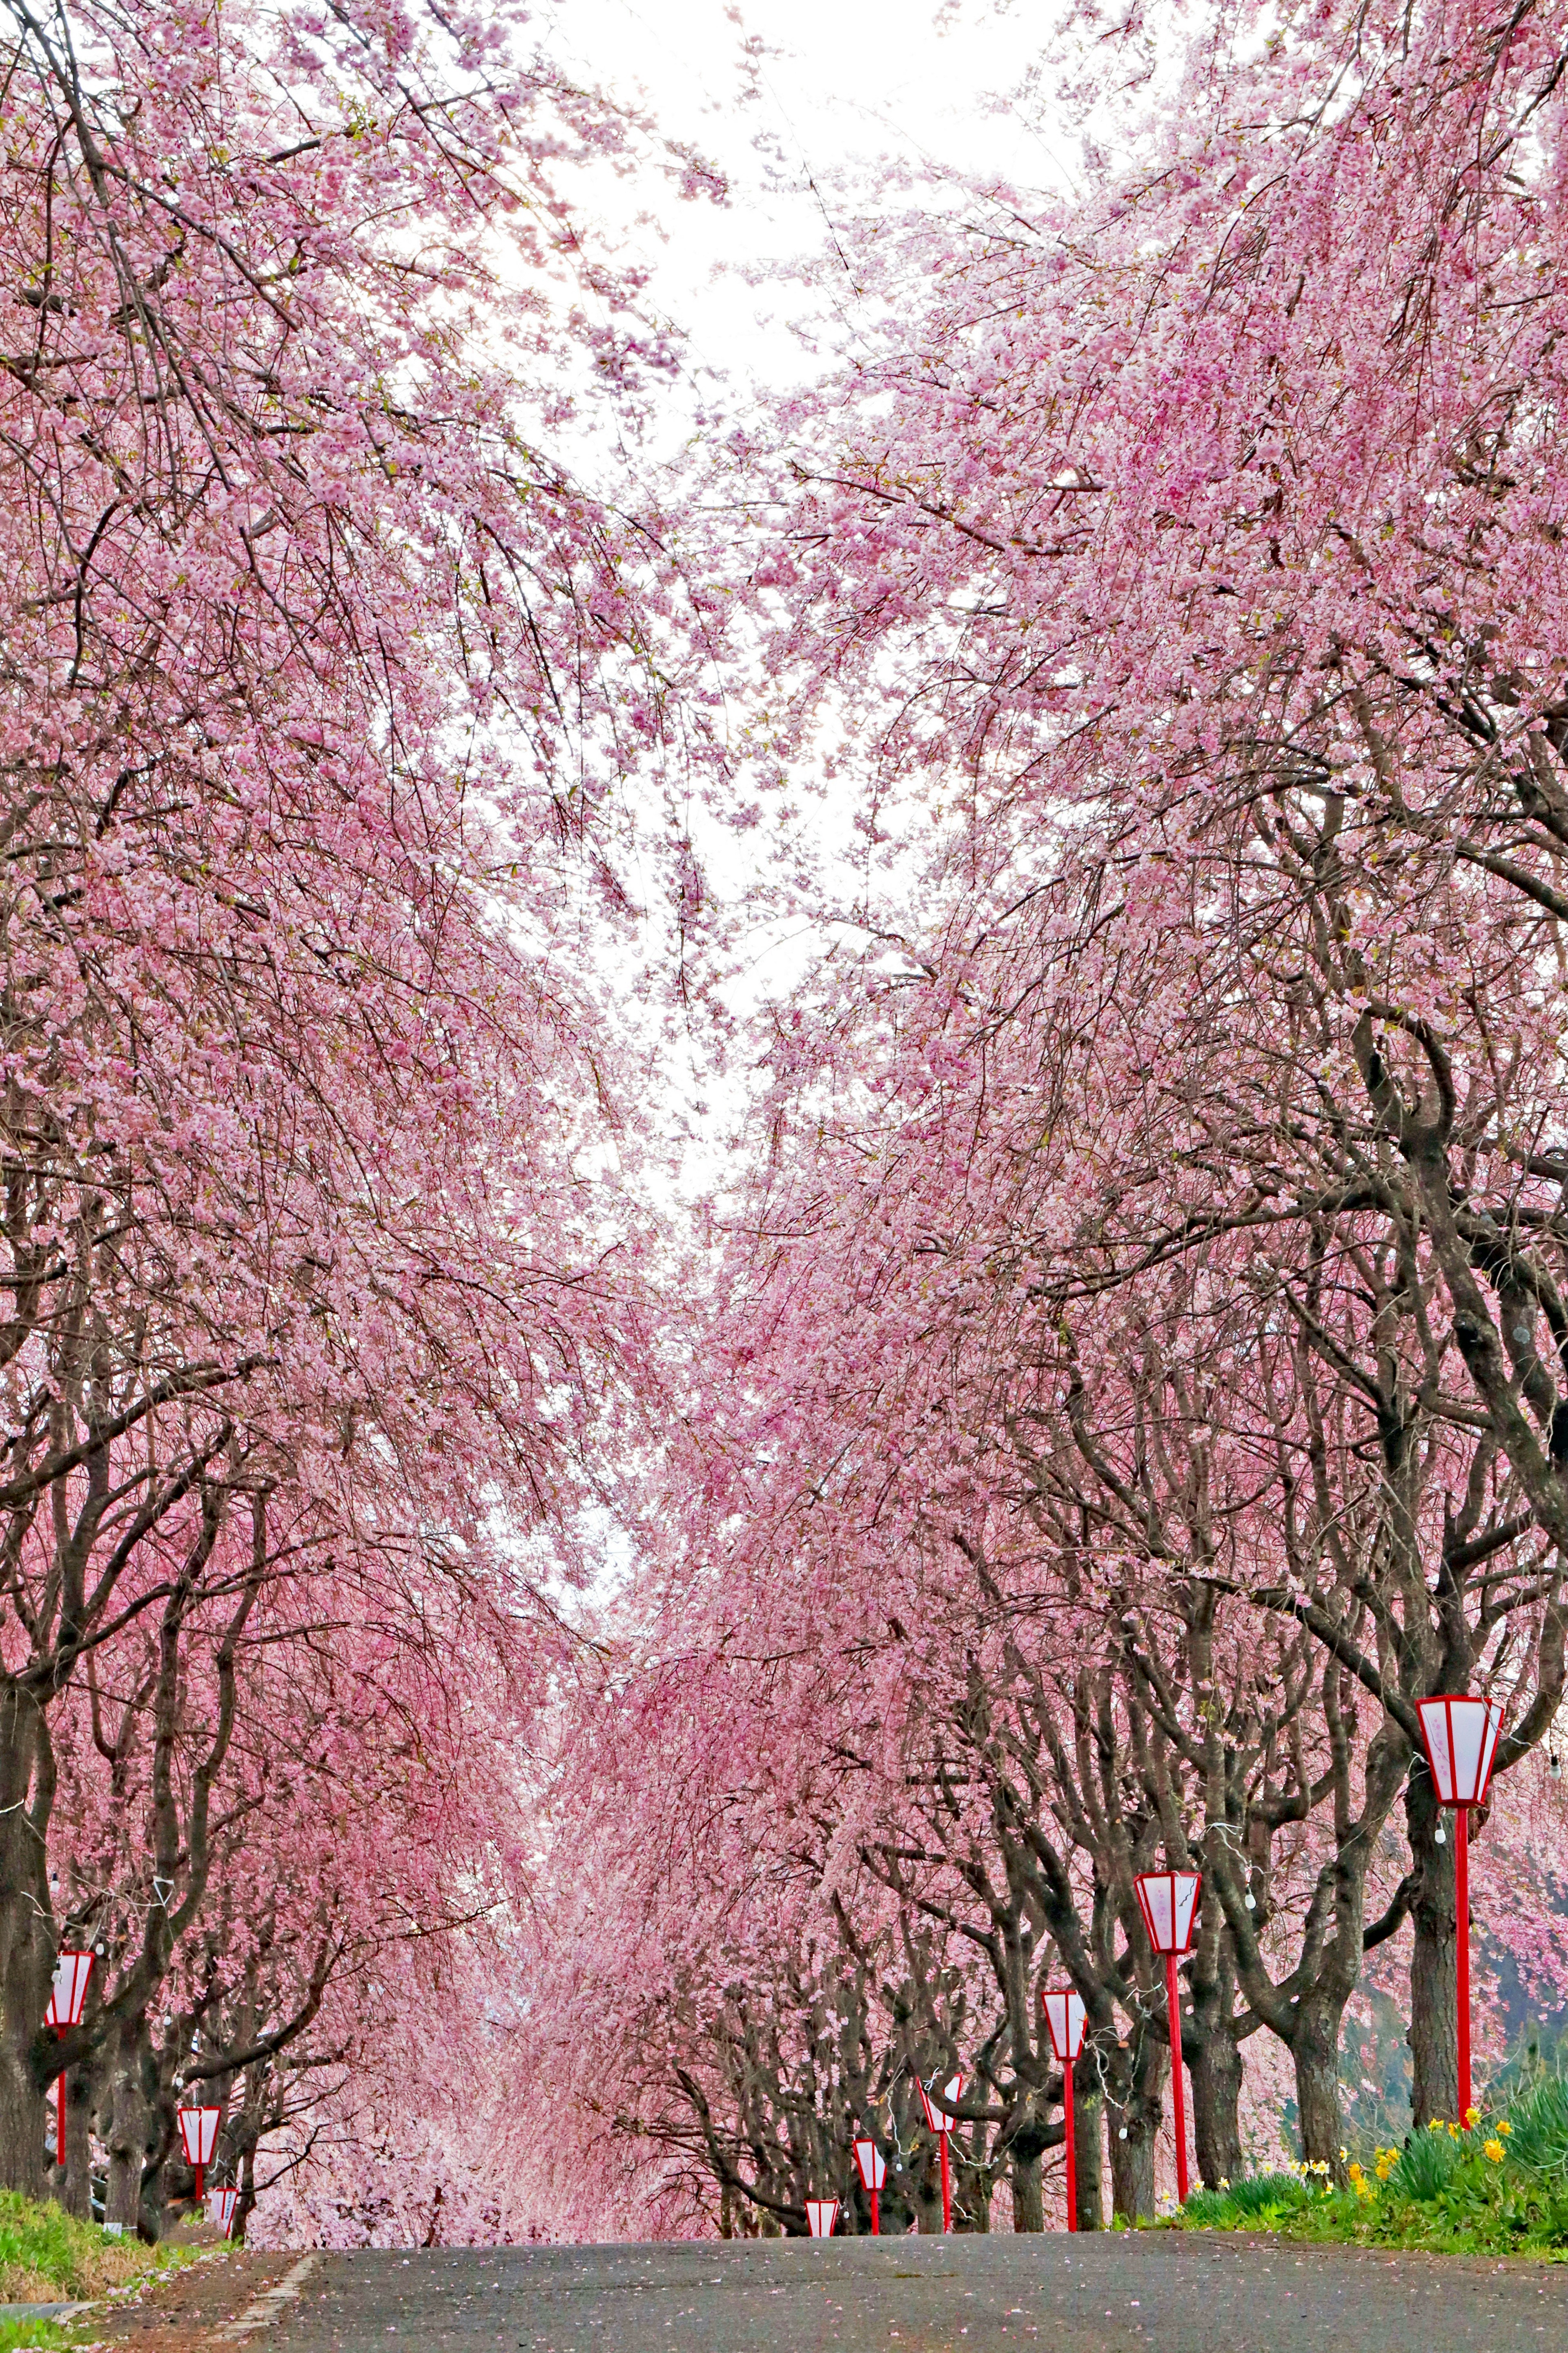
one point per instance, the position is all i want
(942, 2125)
(221, 2204)
(1169, 1903)
(68, 2000)
(1461, 1737)
(821, 2215)
(198, 2131)
(873, 2171)
(1065, 2020)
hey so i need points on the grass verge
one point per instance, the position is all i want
(1498, 2188)
(47, 2256)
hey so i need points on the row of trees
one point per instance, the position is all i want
(1137, 1370)
(1130, 1367)
(319, 672)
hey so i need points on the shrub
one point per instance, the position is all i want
(1538, 2116)
(1266, 2191)
(1425, 2165)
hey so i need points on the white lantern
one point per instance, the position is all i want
(1460, 1737)
(198, 2131)
(934, 2116)
(68, 1997)
(872, 2164)
(942, 2127)
(1169, 1903)
(1065, 2022)
(221, 2204)
(821, 2214)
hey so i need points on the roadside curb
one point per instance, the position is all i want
(264, 2308)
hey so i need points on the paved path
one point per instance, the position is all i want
(1110, 2294)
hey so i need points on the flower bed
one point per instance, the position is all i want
(1494, 2185)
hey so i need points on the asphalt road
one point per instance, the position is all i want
(1102, 2295)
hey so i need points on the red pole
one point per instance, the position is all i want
(1462, 1931)
(60, 2120)
(1072, 2154)
(946, 2190)
(1178, 2097)
(876, 2218)
(198, 2185)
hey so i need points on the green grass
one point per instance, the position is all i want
(1259, 2203)
(47, 2256)
(34, 2336)
(1438, 2192)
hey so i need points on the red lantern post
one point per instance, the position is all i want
(1460, 1737)
(1065, 2022)
(873, 2170)
(941, 2125)
(198, 2131)
(67, 1999)
(1169, 1903)
(821, 2214)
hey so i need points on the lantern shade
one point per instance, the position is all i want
(221, 2204)
(952, 2090)
(821, 2214)
(67, 1996)
(198, 2131)
(872, 2164)
(1064, 2021)
(1169, 1903)
(1460, 1737)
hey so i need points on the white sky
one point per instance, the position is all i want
(843, 85)
(842, 82)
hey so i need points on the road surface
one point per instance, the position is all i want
(1005, 2294)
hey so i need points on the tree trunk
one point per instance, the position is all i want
(1434, 1959)
(1216, 2071)
(971, 2197)
(923, 2188)
(1316, 2052)
(1134, 2128)
(26, 1937)
(73, 2188)
(1088, 2140)
(246, 2201)
(128, 2136)
(153, 2213)
(1028, 2203)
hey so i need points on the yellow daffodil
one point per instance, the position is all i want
(1494, 2149)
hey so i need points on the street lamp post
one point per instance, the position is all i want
(198, 2131)
(1460, 1737)
(1169, 1903)
(873, 2170)
(821, 2214)
(941, 2125)
(1064, 2023)
(67, 1999)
